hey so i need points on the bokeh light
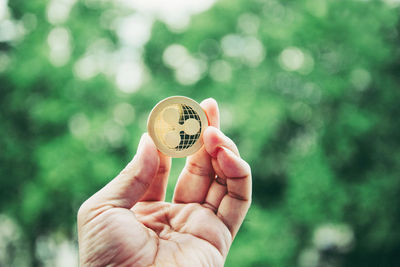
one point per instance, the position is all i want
(307, 89)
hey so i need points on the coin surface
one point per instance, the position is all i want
(176, 125)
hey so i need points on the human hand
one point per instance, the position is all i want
(128, 222)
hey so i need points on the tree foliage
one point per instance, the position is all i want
(308, 90)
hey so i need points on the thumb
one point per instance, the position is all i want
(131, 184)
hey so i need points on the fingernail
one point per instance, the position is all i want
(216, 151)
(221, 148)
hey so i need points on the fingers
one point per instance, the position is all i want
(158, 187)
(236, 202)
(198, 173)
(214, 139)
(211, 108)
(131, 184)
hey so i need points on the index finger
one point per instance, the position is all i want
(198, 173)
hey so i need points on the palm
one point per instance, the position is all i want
(127, 223)
(175, 234)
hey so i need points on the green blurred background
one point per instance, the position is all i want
(308, 89)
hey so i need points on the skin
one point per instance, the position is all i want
(128, 222)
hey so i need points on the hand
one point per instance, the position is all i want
(127, 223)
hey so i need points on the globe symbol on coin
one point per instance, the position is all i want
(185, 127)
(176, 125)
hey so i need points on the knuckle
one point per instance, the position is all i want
(163, 169)
(197, 169)
(139, 180)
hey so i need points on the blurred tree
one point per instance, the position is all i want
(308, 89)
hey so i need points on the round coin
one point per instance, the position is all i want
(176, 125)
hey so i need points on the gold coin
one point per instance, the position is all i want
(176, 125)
